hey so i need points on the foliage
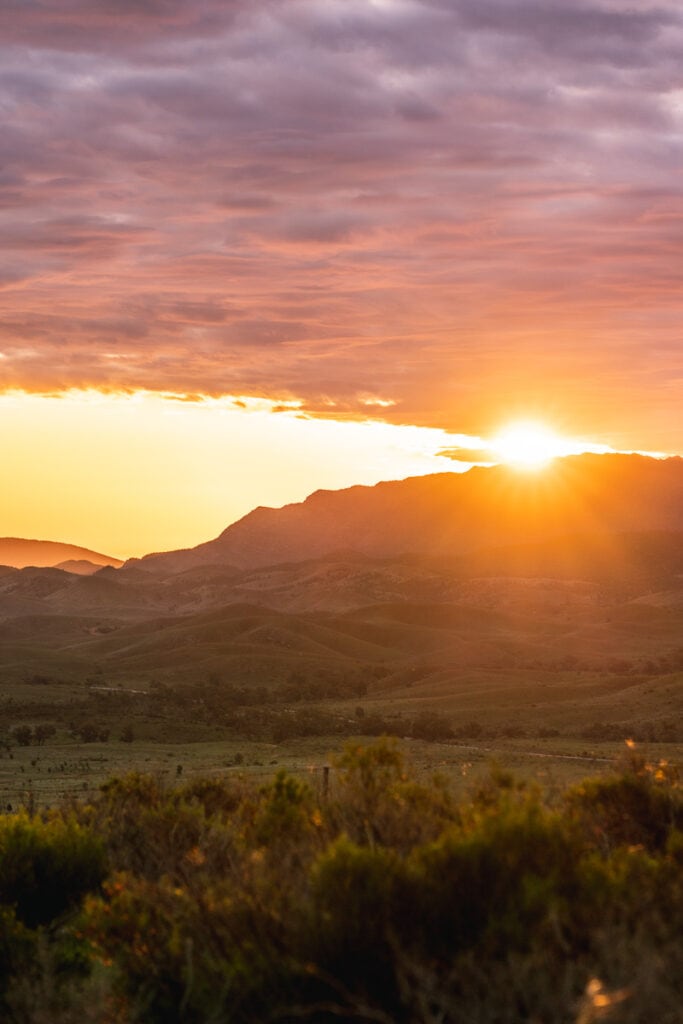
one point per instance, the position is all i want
(91, 732)
(383, 898)
(430, 725)
(17, 946)
(46, 866)
(42, 732)
(23, 734)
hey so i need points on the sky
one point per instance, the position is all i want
(249, 249)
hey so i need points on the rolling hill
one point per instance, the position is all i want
(19, 553)
(554, 598)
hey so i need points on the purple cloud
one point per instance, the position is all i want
(457, 206)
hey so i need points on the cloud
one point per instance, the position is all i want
(458, 206)
(468, 455)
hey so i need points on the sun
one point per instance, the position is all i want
(528, 445)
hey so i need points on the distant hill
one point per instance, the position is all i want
(80, 566)
(455, 515)
(19, 553)
(523, 602)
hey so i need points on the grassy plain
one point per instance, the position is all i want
(201, 675)
(541, 724)
(66, 769)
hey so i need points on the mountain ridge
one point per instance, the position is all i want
(450, 514)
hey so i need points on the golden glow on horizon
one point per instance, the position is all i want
(126, 473)
(529, 445)
(130, 473)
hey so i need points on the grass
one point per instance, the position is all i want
(558, 666)
(44, 776)
(173, 741)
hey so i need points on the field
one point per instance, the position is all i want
(217, 671)
(66, 769)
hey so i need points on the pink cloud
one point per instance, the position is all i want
(451, 206)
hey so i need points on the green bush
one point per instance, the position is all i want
(497, 881)
(385, 900)
(638, 807)
(353, 917)
(17, 949)
(47, 866)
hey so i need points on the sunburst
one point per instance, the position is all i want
(529, 445)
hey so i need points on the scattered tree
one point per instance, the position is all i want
(23, 734)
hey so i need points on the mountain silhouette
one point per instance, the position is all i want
(583, 501)
(412, 584)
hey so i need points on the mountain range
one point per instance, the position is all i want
(454, 515)
(445, 588)
(587, 516)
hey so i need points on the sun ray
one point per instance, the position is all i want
(530, 445)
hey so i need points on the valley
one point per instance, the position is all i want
(552, 651)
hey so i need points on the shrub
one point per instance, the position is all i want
(385, 901)
(23, 735)
(17, 949)
(127, 734)
(91, 732)
(46, 867)
(629, 810)
(498, 880)
(353, 919)
(43, 732)
(430, 725)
